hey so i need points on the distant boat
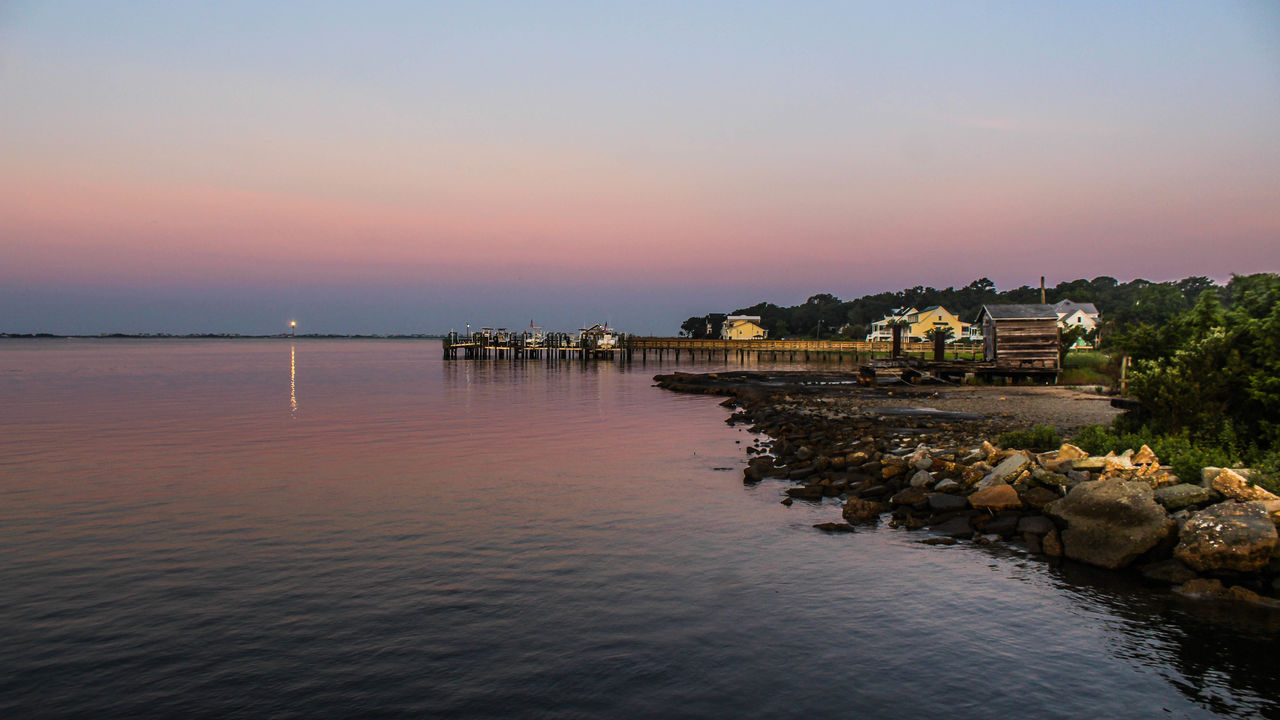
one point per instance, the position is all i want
(600, 337)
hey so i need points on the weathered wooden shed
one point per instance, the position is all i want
(1020, 336)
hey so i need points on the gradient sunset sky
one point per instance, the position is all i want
(411, 167)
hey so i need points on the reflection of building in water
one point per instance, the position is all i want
(293, 382)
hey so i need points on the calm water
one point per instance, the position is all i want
(357, 528)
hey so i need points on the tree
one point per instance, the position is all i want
(1215, 374)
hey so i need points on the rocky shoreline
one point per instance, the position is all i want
(925, 459)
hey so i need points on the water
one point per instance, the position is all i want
(357, 528)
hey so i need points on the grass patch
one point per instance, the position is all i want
(1084, 376)
(1040, 438)
(1092, 359)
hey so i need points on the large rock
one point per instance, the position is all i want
(1176, 497)
(1209, 473)
(944, 503)
(1109, 523)
(1209, 589)
(1037, 497)
(1006, 471)
(1053, 460)
(921, 479)
(1089, 463)
(910, 496)
(1227, 536)
(1236, 486)
(806, 492)
(857, 510)
(996, 498)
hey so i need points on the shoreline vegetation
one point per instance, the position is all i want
(945, 461)
(211, 336)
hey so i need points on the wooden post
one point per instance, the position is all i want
(897, 341)
(939, 347)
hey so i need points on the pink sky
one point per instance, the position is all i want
(611, 179)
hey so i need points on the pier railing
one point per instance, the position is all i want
(793, 349)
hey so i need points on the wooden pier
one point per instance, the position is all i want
(837, 351)
(873, 362)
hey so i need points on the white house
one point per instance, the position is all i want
(1074, 314)
(882, 329)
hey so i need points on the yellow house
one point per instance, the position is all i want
(743, 327)
(921, 322)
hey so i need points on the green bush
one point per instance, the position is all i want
(1266, 471)
(1039, 438)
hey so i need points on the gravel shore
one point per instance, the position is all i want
(1067, 409)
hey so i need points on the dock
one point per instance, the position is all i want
(872, 362)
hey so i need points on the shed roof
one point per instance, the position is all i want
(1067, 307)
(1020, 312)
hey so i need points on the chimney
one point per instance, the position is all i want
(1042, 300)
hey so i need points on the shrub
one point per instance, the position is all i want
(1039, 438)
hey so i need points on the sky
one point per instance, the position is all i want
(405, 167)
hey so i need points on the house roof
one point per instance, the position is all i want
(1067, 307)
(1020, 312)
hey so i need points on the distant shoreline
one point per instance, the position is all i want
(207, 336)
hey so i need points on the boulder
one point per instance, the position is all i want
(1109, 523)
(1078, 476)
(1236, 486)
(1176, 497)
(946, 468)
(910, 496)
(806, 492)
(1038, 497)
(1063, 455)
(857, 510)
(944, 503)
(1227, 536)
(1004, 525)
(948, 486)
(1006, 471)
(1071, 452)
(996, 498)
(1209, 473)
(1206, 589)
(1051, 479)
(855, 459)
(921, 479)
(1037, 525)
(1089, 463)
(804, 453)
(834, 527)
(1168, 571)
(975, 472)
(1051, 544)
(1145, 456)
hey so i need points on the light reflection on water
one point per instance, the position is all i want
(496, 538)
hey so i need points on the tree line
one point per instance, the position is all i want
(1123, 306)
